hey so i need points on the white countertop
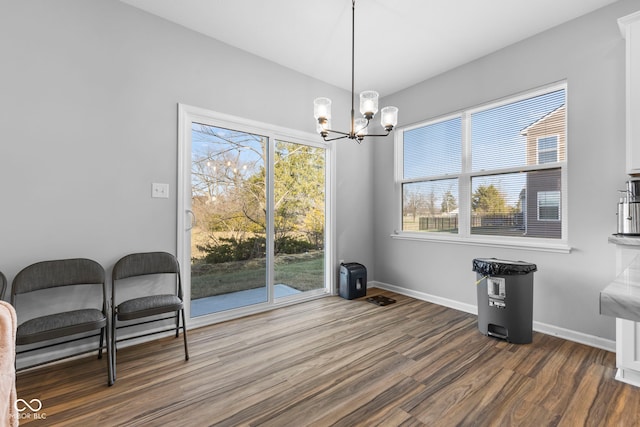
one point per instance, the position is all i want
(621, 298)
(621, 239)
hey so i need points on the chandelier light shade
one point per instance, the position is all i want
(369, 103)
(368, 106)
(322, 108)
(389, 117)
(360, 127)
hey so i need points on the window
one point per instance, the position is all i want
(490, 172)
(549, 206)
(431, 205)
(548, 149)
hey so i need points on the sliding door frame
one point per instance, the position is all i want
(189, 114)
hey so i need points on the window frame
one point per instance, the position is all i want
(464, 235)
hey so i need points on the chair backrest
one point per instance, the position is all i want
(3, 285)
(145, 263)
(141, 264)
(52, 274)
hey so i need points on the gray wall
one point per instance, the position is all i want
(589, 53)
(88, 121)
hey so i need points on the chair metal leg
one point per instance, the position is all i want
(110, 355)
(184, 335)
(113, 349)
(178, 323)
(101, 342)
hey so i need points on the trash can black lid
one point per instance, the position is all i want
(501, 267)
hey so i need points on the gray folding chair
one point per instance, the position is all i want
(3, 285)
(151, 307)
(80, 315)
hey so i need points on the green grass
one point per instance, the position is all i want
(303, 272)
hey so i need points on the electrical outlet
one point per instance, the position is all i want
(160, 190)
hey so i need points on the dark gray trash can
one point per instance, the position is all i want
(505, 299)
(353, 280)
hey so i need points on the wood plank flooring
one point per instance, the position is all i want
(343, 363)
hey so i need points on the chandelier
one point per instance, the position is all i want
(368, 107)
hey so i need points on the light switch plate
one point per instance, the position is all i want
(160, 190)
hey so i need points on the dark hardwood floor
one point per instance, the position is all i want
(344, 363)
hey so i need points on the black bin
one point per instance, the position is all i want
(353, 280)
(505, 299)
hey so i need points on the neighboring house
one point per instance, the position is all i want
(546, 143)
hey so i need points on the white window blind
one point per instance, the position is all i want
(495, 170)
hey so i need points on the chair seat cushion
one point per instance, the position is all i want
(148, 306)
(60, 325)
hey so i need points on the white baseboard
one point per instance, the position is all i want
(579, 337)
(567, 334)
(63, 353)
(467, 308)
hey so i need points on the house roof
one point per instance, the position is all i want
(542, 119)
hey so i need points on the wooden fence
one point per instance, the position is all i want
(438, 222)
(446, 223)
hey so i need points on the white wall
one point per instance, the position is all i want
(589, 53)
(88, 120)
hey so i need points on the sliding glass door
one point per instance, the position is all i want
(228, 197)
(299, 218)
(254, 202)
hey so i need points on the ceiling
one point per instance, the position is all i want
(398, 43)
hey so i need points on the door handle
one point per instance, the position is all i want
(193, 220)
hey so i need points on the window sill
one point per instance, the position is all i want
(523, 244)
